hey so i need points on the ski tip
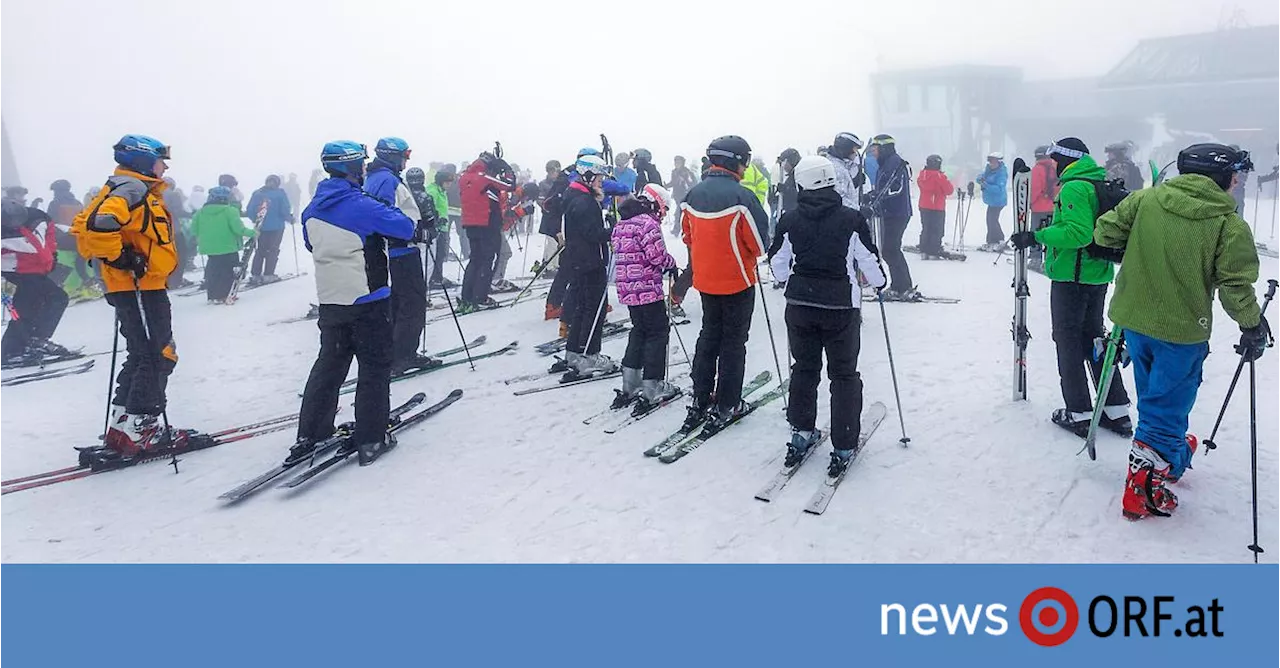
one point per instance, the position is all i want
(419, 397)
(457, 392)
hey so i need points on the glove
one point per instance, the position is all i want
(779, 285)
(859, 180)
(1023, 240)
(130, 260)
(673, 272)
(1254, 340)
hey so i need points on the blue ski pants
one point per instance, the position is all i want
(1167, 377)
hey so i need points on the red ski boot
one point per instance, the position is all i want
(1145, 493)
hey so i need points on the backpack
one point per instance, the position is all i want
(1109, 193)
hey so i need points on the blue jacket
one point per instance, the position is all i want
(344, 228)
(279, 211)
(871, 167)
(995, 185)
(385, 185)
(892, 198)
(627, 177)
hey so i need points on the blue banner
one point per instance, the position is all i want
(658, 615)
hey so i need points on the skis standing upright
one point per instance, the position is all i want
(1022, 223)
(247, 256)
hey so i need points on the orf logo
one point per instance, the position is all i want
(1048, 616)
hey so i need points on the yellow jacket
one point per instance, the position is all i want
(755, 181)
(128, 211)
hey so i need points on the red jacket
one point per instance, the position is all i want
(1044, 185)
(29, 247)
(483, 196)
(935, 188)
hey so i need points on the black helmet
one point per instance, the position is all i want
(415, 176)
(933, 162)
(730, 151)
(845, 144)
(553, 166)
(228, 181)
(15, 213)
(1215, 161)
(60, 185)
(790, 157)
(642, 154)
(273, 181)
(1119, 148)
(1042, 150)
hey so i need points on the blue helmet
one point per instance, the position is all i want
(140, 153)
(588, 150)
(392, 150)
(219, 195)
(343, 158)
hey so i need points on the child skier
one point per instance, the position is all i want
(219, 233)
(1184, 241)
(641, 259)
(819, 250)
(935, 188)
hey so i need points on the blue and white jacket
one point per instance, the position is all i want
(385, 185)
(344, 228)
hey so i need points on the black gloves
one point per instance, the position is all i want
(1023, 240)
(859, 180)
(1254, 340)
(130, 260)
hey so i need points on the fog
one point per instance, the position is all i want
(256, 87)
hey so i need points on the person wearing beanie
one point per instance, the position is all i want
(891, 202)
(1078, 293)
(1183, 242)
(935, 188)
(994, 182)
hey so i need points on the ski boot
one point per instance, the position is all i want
(488, 303)
(464, 307)
(839, 462)
(139, 434)
(654, 393)
(313, 312)
(696, 416)
(676, 310)
(253, 282)
(1120, 423)
(26, 358)
(719, 418)
(799, 446)
(1076, 423)
(1145, 493)
(1193, 443)
(414, 362)
(561, 365)
(552, 312)
(50, 349)
(217, 302)
(368, 453)
(304, 448)
(630, 392)
(588, 366)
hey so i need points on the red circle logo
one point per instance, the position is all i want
(1048, 616)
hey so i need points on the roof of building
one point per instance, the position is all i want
(1213, 57)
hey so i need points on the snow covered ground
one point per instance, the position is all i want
(498, 478)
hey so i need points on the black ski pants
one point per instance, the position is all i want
(647, 343)
(933, 227)
(485, 243)
(408, 304)
(994, 234)
(891, 251)
(586, 318)
(267, 253)
(360, 331)
(150, 353)
(720, 357)
(837, 333)
(219, 274)
(39, 303)
(1077, 320)
(559, 288)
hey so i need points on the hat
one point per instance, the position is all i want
(1068, 147)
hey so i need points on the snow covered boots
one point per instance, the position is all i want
(1145, 493)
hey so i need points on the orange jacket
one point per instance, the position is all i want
(724, 244)
(128, 211)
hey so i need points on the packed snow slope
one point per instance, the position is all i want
(500, 478)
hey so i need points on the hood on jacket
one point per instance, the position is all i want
(815, 204)
(330, 193)
(154, 184)
(378, 164)
(1194, 196)
(1084, 168)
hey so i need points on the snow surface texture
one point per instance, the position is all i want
(498, 478)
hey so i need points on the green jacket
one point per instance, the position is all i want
(218, 229)
(1182, 240)
(441, 199)
(1074, 213)
(754, 180)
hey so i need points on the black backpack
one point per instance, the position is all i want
(1109, 193)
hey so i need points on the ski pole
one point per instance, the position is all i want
(893, 373)
(537, 275)
(156, 356)
(772, 344)
(449, 302)
(111, 378)
(1209, 443)
(528, 236)
(1257, 193)
(293, 229)
(1253, 454)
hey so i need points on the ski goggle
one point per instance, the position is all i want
(1055, 149)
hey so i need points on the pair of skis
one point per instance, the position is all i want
(1021, 289)
(817, 504)
(680, 443)
(47, 374)
(558, 344)
(350, 386)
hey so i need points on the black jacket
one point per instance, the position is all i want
(786, 192)
(585, 236)
(892, 197)
(646, 173)
(553, 204)
(821, 233)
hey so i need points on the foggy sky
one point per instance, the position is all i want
(252, 88)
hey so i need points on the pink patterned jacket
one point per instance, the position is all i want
(640, 257)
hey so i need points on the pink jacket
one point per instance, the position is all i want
(640, 257)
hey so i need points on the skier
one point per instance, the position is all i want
(549, 227)
(1078, 292)
(646, 171)
(128, 229)
(198, 198)
(29, 247)
(623, 173)
(725, 228)
(935, 188)
(404, 257)
(1120, 166)
(891, 202)
(293, 191)
(455, 212)
(785, 190)
(344, 229)
(585, 260)
(435, 198)
(641, 260)
(754, 179)
(994, 182)
(176, 202)
(682, 179)
(484, 188)
(1182, 243)
(219, 232)
(1044, 189)
(821, 248)
(76, 280)
(229, 181)
(271, 231)
(850, 177)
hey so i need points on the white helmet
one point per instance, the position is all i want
(814, 172)
(658, 195)
(591, 165)
(995, 154)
